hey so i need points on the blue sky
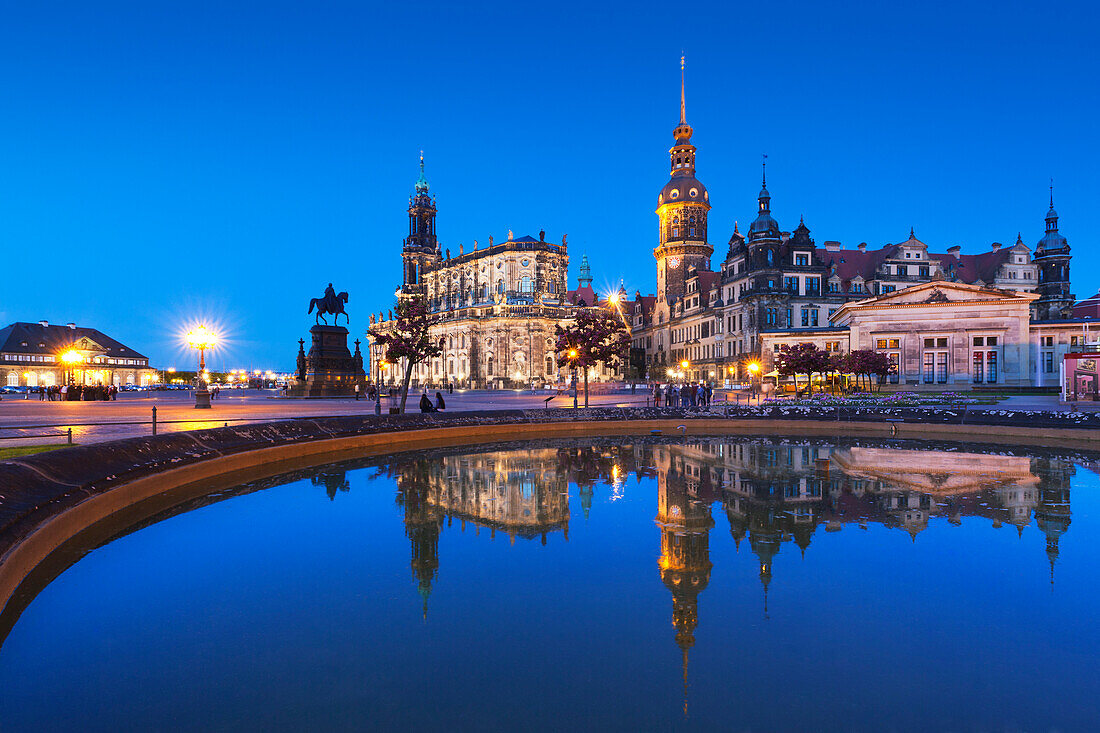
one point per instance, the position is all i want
(227, 160)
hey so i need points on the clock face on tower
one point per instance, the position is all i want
(673, 262)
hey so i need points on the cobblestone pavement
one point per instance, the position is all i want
(131, 414)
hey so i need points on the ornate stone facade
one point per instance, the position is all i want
(495, 305)
(775, 286)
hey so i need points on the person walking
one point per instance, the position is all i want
(356, 386)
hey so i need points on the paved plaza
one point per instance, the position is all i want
(131, 414)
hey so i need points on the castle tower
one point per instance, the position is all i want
(682, 207)
(584, 273)
(421, 249)
(1052, 257)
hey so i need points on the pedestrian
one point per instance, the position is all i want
(439, 403)
(656, 395)
(425, 402)
(41, 394)
(356, 391)
(451, 388)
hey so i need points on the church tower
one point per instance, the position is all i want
(682, 207)
(1052, 257)
(421, 249)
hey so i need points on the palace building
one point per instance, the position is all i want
(1003, 316)
(44, 355)
(495, 305)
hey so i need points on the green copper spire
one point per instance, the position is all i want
(584, 279)
(421, 182)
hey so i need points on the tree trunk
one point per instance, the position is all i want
(810, 382)
(586, 387)
(405, 385)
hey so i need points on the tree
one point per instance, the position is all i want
(408, 337)
(802, 358)
(866, 362)
(595, 335)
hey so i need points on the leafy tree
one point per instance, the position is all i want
(595, 335)
(865, 363)
(407, 337)
(804, 358)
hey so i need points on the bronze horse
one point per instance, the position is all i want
(332, 303)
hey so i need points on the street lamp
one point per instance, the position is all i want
(202, 338)
(684, 367)
(572, 356)
(71, 358)
(754, 367)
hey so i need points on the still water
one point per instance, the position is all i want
(716, 584)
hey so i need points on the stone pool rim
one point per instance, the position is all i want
(51, 500)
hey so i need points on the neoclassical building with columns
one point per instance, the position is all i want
(44, 355)
(495, 306)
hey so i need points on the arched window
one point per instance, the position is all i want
(549, 365)
(13, 379)
(500, 287)
(769, 257)
(526, 285)
(489, 366)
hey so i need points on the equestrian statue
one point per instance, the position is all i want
(332, 303)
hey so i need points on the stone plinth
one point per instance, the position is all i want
(329, 369)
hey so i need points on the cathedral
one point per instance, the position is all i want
(495, 306)
(1003, 316)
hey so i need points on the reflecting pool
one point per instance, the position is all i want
(635, 584)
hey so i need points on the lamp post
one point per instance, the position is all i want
(754, 367)
(684, 369)
(572, 355)
(202, 339)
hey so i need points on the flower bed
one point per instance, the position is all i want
(866, 399)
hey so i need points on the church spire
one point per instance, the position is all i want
(683, 104)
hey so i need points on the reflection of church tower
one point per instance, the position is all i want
(423, 522)
(1052, 515)
(685, 557)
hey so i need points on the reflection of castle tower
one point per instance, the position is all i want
(333, 481)
(685, 556)
(765, 536)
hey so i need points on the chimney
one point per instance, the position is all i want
(44, 324)
(71, 325)
(996, 246)
(862, 246)
(831, 246)
(954, 251)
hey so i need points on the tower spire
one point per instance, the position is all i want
(683, 103)
(1052, 192)
(764, 175)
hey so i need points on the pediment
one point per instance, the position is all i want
(943, 291)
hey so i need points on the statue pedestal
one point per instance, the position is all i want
(331, 370)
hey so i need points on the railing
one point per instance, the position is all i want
(68, 434)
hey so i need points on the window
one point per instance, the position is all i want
(500, 287)
(549, 366)
(1048, 362)
(977, 371)
(770, 316)
(923, 271)
(979, 341)
(790, 284)
(790, 317)
(1048, 341)
(801, 260)
(813, 286)
(489, 366)
(833, 347)
(888, 289)
(888, 344)
(770, 257)
(856, 287)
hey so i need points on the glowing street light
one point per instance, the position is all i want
(202, 338)
(70, 359)
(572, 356)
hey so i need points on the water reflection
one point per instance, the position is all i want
(774, 493)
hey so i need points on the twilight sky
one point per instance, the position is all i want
(227, 160)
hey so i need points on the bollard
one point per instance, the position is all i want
(70, 436)
(154, 419)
